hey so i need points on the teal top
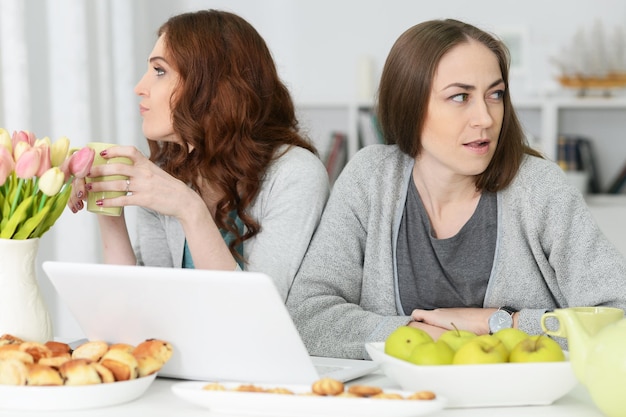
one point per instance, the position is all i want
(227, 236)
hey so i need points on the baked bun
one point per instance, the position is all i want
(18, 354)
(122, 346)
(123, 364)
(58, 348)
(147, 365)
(55, 361)
(79, 372)
(10, 346)
(93, 362)
(36, 350)
(156, 348)
(93, 350)
(9, 339)
(12, 372)
(42, 375)
(105, 373)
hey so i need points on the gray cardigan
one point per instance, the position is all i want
(288, 208)
(549, 254)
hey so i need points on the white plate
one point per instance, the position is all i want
(506, 384)
(72, 397)
(276, 405)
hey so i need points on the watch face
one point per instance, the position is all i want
(500, 320)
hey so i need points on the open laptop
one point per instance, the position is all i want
(223, 325)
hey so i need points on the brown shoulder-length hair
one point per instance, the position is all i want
(405, 89)
(230, 108)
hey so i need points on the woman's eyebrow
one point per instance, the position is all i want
(472, 87)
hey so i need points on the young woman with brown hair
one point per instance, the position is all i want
(230, 182)
(456, 221)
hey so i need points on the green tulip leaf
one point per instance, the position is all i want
(18, 217)
(57, 204)
(31, 224)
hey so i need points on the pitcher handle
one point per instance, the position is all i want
(560, 332)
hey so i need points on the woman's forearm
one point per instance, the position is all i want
(116, 245)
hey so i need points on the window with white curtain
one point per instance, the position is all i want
(68, 68)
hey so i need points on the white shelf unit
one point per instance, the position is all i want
(603, 120)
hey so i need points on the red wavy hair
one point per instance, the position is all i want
(230, 107)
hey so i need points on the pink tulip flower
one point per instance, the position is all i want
(44, 159)
(80, 162)
(6, 164)
(28, 164)
(23, 136)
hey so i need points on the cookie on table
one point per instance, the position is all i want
(327, 386)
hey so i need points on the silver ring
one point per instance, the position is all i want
(127, 185)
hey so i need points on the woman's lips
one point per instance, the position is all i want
(480, 147)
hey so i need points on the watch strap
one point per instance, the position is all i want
(509, 310)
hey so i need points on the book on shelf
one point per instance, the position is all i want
(368, 128)
(575, 153)
(618, 185)
(337, 155)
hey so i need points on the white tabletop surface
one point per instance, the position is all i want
(159, 401)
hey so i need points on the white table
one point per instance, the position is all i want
(159, 401)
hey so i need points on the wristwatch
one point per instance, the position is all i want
(501, 319)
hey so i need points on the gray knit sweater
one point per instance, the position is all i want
(288, 208)
(549, 254)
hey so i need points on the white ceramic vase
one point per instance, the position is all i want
(23, 312)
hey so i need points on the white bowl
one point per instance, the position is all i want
(489, 385)
(72, 397)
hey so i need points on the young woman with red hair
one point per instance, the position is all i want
(230, 182)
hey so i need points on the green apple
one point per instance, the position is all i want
(432, 353)
(481, 350)
(401, 342)
(510, 337)
(456, 338)
(537, 348)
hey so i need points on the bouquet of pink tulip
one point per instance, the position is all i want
(36, 181)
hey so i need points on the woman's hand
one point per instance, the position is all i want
(433, 331)
(147, 185)
(475, 320)
(78, 195)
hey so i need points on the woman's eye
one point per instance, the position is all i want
(497, 95)
(159, 71)
(460, 97)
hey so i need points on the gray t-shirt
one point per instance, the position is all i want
(440, 273)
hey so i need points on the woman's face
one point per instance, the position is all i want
(155, 90)
(465, 112)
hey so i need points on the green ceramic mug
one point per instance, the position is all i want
(593, 319)
(92, 197)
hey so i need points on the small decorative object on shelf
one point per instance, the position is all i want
(604, 84)
(575, 155)
(35, 184)
(594, 62)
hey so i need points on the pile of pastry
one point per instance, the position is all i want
(93, 362)
(329, 387)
